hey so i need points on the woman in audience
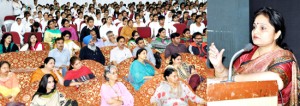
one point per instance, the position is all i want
(204, 35)
(173, 92)
(9, 84)
(47, 95)
(32, 44)
(198, 26)
(78, 73)
(35, 27)
(7, 44)
(66, 27)
(185, 71)
(51, 33)
(127, 30)
(47, 68)
(131, 41)
(108, 26)
(161, 41)
(138, 22)
(269, 59)
(114, 93)
(140, 70)
(69, 18)
(187, 37)
(123, 23)
(69, 44)
(19, 27)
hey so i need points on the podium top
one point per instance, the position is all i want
(241, 90)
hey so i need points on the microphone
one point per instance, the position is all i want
(248, 47)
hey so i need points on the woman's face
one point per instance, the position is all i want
(67, 37)
(4, 68)
(263, 33)
(187, 34)
(130, 23)
(177, 60)
(113, 76)
(50, 64)
(51, 83)
(137, 19)
(77, 65)
(136, 35)
(198, 20)
(143, 55)
(173, 78)
(33, 39)
(162, 34)
(125, 22)
(51, 25)
(109, 20)
(8, 39)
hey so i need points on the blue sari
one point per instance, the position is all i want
(137, 73)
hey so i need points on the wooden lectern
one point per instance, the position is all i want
(254, 93)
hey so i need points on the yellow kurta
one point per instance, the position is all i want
(127, 31)
(9, 86)
(38, 74)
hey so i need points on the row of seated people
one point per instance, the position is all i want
(79, 74)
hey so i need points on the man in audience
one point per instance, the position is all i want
(161, 24)
(175, 46)
(120, 52)
(90, 26)
(198, 47)
(98, 42)
(61, 55)
(91, 51)
(141, 44)
(111, 39)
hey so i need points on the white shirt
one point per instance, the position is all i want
(17, 8)
(194, 28)
(119, 55)
(141, 25)
(77, 21)
(120, 25)
(44, 24)
(70, 46)
(169, 29)
(104, 29)
(117, 21)
(98, 22)
(25, 47)
(20, 29)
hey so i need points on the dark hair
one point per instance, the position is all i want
(72, 61)
(173, 17)
(29, 43)
(139, 52)
(129, 21)
(138, 39)
(63, 21)
(159, 31)
(185, 30)
(107, 70)
(173, 56)
(198, 16)
(89, 19)
(4, 36)
(119, 38)
(168, 72)
(174, 35)
(161, 17)
(196, 34)
(276, 20)
(46, 61)
(64, 33)
(204, 30)
(42, 90)
(132, 34)
(124, 18)
(58, 39)
(49, 23)
(4, 62)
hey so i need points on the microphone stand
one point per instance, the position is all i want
(230, 71)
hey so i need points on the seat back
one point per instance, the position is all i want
(119, 31)
(10, 17)
(38, 35)
(145, 32)
(180, 28)
(16, 37)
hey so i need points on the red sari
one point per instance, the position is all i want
(281, 62)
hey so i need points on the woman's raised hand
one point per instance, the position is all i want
(215, 56)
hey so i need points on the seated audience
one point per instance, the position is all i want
(185, 71)
(91, 51)
(77, 73)
(161, 41)
(192, 20)
(114, 93)
(127, 30)
(98, 42)
(161, 24)
(204, 37)
(32, 44)
(47, 68)
(69, 44)
(173, 92)
(187, 37)
(47, 95)
(185, 18)
(51, 33)
(140, 70)
(61, 55)
(7, 44)
(111, 39)
(35, 27)
(108, 26)
(9, 84)
(66, 27)
(19, 27)
(134, 36)
(123, 23)
(198, 47)
(120, 52)
(87, 29)
(175, 46)
(138, 22)
(141, 44)
(198, 26)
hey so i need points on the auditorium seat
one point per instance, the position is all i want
(144, 32)
(10, 17)
(106, 52)
(180, 28)
(39, 36)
